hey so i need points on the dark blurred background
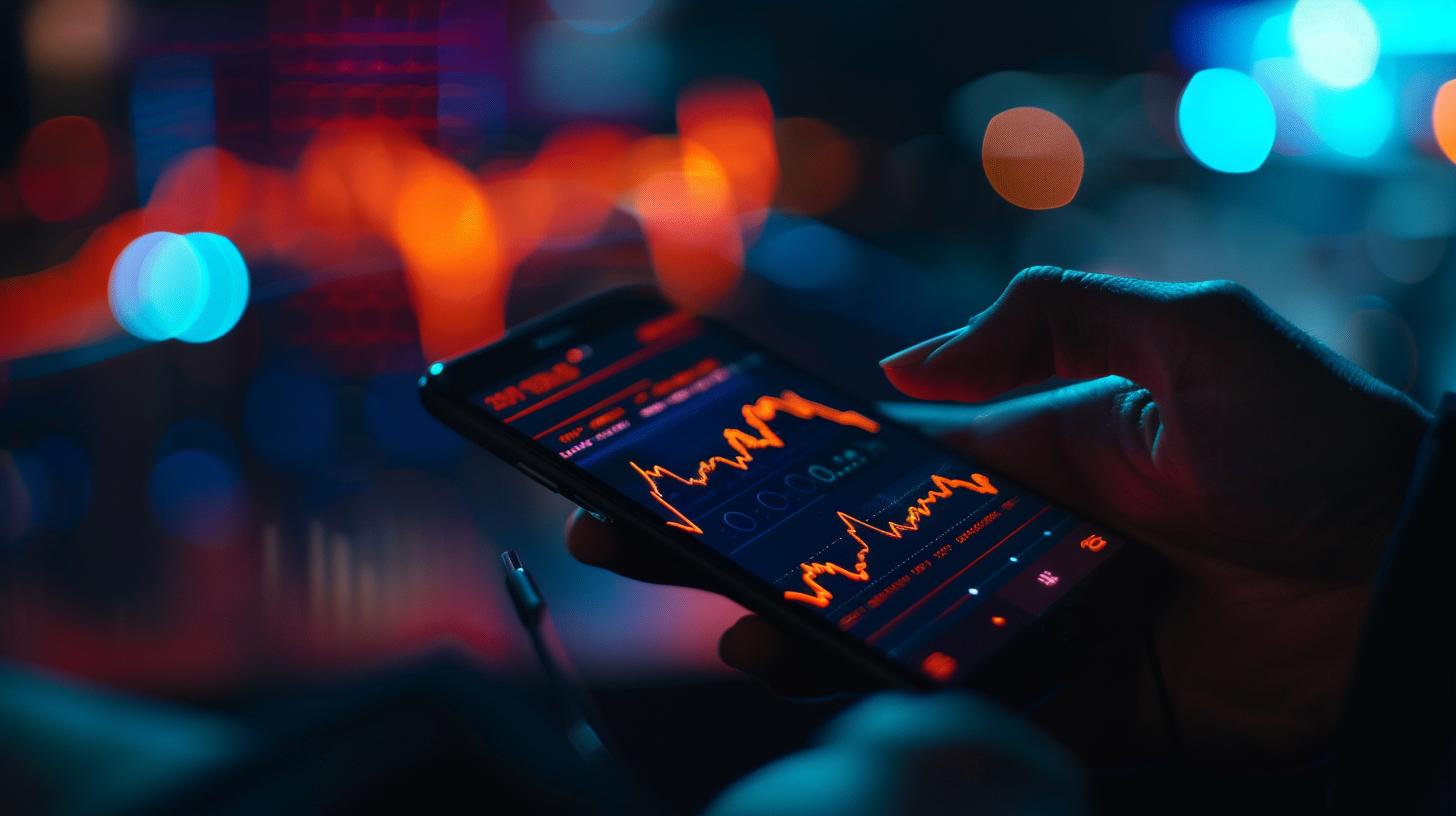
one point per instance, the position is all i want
(263, 502)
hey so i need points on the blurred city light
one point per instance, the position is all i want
(289, 416)
(48, 485)
(227, 289)
(1354, 122)
(75, 39)
(600, 16)
(805, 255)
(196, 497)
(192, 287)
(1443, 119)
(819, 166)
(1226, 120)
(130, 299)
(405, 179)
(172, 111)
(401, 427)
(1032, 158)
(572, 72)
(1335, 41)
(63, 168)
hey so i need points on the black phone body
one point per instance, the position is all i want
(801, 502)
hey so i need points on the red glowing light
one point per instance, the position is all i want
(446, 235)
(734, 122)
(819, 166)
(63, 168)
(368, 185)
(998, 621)
(938, 666)
(207, 190)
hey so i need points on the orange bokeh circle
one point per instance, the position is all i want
(1443, 119)
(1032, 158)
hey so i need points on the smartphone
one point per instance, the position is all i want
(799, 501)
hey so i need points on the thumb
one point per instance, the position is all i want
(1087, 446)
(1076, 325)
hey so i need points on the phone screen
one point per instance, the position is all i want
(928, 557)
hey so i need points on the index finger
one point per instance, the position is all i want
(616, 548)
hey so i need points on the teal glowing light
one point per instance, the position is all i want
(1355, 122)
(436, 368)
(227, 289)
(1335, 41)
(124, 290)
(174, 287)
(600, 16)
(1226, 120)
(192, 287)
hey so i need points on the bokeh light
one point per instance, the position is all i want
(196, 496)
(173, 111)
(402, 427)
(689, 217)
(204, 189)
(1335, 41)
(1379, 340)
(63, 168)
(734, 122)
(1443, 119)
(74, 39)
(173, 286)
(570, 71)
(805, 255)
(128, 303)
(289, 416)
(1292, 94)
(819, 166)
(600, 16)
(1354, 122)
(192, 287)
(1408, 226)
(447, 237)
(1032, 158)
(48, 487)
(1226, 120)
(227, 290)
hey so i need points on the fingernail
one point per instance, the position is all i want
(918, 352)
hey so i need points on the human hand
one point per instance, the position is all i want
(944, 753)
(1265, 466)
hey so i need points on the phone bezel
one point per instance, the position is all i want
(446, 391)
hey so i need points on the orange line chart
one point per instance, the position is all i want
(943, 488)
(757, 415)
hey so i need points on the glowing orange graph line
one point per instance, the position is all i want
(757, 415)
(810, 573)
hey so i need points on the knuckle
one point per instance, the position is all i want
(1035, 280)
(1219, 298)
